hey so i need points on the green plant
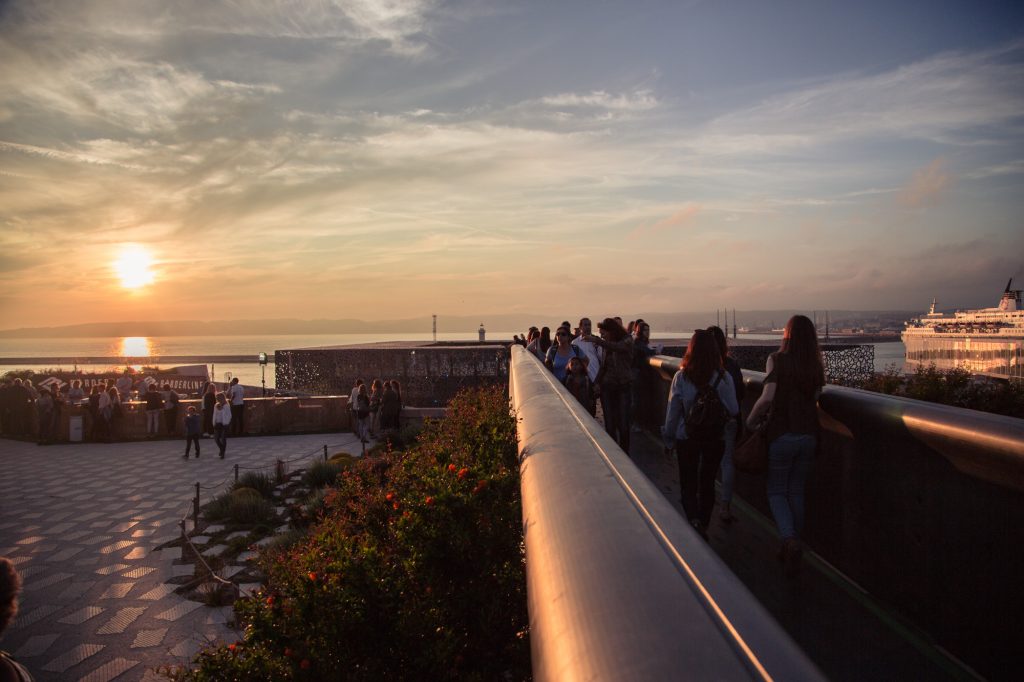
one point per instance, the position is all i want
(283, 541)
(414, 572)
(258, 481)
(241, 506)
(322, 473)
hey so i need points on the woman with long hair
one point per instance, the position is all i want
(733, 428)
(209, 402)
(699, 452)
(545, 340)
(614, 378)
(795, 377)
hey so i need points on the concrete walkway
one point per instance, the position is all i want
(81, 523)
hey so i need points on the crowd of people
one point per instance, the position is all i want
(377, 409)
(104, 401)
(703, 420)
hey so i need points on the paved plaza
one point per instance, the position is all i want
(81, 523)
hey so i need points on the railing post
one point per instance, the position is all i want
(195, 508)
(325, 454)
(236, 472)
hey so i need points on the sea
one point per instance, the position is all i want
(251, 373)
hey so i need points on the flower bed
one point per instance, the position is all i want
(414, 570)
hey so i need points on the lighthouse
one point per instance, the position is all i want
(482, 332)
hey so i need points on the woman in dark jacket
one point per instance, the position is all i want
(615, 378)
(735, 426)
(209, 401)
(795, 377)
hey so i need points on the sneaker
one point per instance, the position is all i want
(726, 514)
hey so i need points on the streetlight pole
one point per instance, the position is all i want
(263, 372)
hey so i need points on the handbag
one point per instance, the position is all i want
(751, 456)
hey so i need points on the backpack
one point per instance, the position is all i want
(707, 416)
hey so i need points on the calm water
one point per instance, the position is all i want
(249, 373)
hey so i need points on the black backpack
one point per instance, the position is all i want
(707, 416)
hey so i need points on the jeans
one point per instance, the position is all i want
(615, 405)
(220, 437)
(237, 419)
(698, 467)
(153, 422)
(789, 461)
(188, 444)
(728, 468)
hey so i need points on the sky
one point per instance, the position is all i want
(384, 159)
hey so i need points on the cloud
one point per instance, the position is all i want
(640, 100)
(1010, 168)
(927, 186)
(684, 218)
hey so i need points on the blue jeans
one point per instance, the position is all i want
(789, 461)
(728, 468)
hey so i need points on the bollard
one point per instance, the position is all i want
(195, 509)
(236, 473)
(325, 454)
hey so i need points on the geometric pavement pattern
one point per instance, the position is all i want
(81, 521)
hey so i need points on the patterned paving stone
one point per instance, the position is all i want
(186, 648)
(65, 554)
(75, 590)
(148, 638)
(60, 528)
(117, 591)
(181, 569)
(109, 549)
(16, 560)
(30, 540)
(121, 621)
(73, 657)
(180, 610)
(110, 670)
(35, 645)
(137, 553)
(31, 571)
(236, 534)
(158, 592)
(122, 527)
(214, 528)
(229, 571)
(113, 568)
(38, 613)
(138, 572)
(70, 537)
(215, 550)
(33, 585)
(143, 532)
(200, 539)
(81, 615)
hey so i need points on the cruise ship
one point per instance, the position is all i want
(986, 341)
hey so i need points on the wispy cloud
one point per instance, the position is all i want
(928, 185)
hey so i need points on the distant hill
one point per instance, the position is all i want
(682, 322)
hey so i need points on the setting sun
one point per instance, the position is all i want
(133, 267)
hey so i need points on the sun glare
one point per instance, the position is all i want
(135, 347)
(134, 267)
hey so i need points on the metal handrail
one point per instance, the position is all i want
(986, 446)
(619, 586)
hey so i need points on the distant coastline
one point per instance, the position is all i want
(420, 325)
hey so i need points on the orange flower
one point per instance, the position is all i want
(232, 646)
(395, 505)
(462, 472)
(304, 664)
(270, 600)
(389, 497)
(429, 501)
(451, 468)
(312, 576)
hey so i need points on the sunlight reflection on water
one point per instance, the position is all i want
(135, 347)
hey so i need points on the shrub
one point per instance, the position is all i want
(322, 473)
(415, 572)
(241, 506)
(258, 481)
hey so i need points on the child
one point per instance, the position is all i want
(193, 427)
(578, 382)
